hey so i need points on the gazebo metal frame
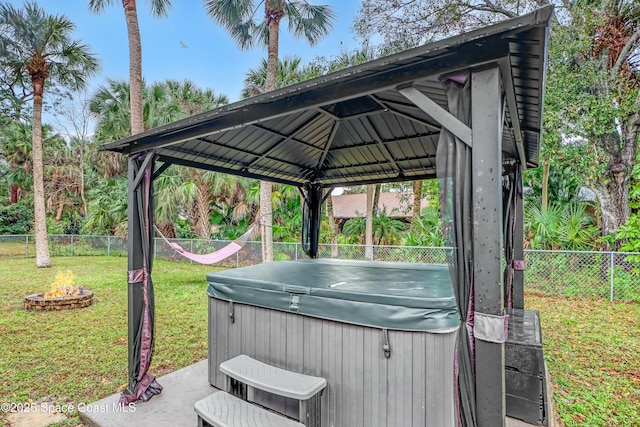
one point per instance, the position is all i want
(376, 122)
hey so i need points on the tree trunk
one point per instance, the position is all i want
(85, 209)
(266, 220)
(135, 66)
(203, 212)
(333, 227)
(545, 186)
(376, 198)
(613, 190)
(273, 16)
(417, 203)
(60, 209)
(368, 234)
(43, 259)
(14, 194)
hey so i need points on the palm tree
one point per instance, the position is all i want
(15, 145)
(159, 8)
(239, 18)
(192, 191)
(426, 228)
(417, 201)
(564, 226)
(192, 99)
(290, 71)
(368, 237)
(107, 207)
(387, 229)
(38, 49)
(64, 180)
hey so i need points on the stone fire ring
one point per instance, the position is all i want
(40, 303)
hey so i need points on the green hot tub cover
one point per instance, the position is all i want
(390, 295)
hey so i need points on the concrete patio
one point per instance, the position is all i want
(174, 406)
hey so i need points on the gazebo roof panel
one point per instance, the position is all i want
(354, 126)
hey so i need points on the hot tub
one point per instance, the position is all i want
(382, 334)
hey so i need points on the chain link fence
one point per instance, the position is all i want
(613, 276)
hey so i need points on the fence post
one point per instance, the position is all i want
(237, 259)
(155, 248)
(191, 242)
(26, 247)
(108, 245)
(296, 251)
(611, 262)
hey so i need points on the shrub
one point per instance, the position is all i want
(16, 218)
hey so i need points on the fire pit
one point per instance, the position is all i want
(63, 296)
(39, 302)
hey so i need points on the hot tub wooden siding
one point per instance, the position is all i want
(414, 387)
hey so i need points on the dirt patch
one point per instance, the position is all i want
(33, 419)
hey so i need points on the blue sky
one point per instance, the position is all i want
(211, 59)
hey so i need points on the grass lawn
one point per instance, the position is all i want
(592, 348)
(80, 355)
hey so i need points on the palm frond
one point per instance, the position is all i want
(236, 17)
(160, 8)
(309, 21)
(98, 6)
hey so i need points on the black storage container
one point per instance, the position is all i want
(525, 370)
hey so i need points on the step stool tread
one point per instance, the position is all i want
(224, 410)
(272, 379)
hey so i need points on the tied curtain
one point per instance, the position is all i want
(142, 386)
(453, 161)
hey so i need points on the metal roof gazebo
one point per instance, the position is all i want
(382, 121)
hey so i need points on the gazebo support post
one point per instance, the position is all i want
(135, 294)
(140, 307)
(487, 122)
(312, 218)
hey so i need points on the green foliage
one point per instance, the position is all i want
(387, 230)
(634, 190)
(426, 229)
(629, 235)
(561, 226)
(163, 103)
(290, 71)
(29, 33)
(355, 229)
(630, 232)
(247, 26)
(107, 208)
(287, 214)
(563, 183)
(54, 227)
(16, 218)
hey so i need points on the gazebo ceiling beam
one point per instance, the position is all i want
(442, 116)
(383, 147)
(327, 147)
(285, 138)
(238, 172)
(385, 141)
(389, 105)
(163, 167)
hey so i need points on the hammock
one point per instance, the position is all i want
(212, 257)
